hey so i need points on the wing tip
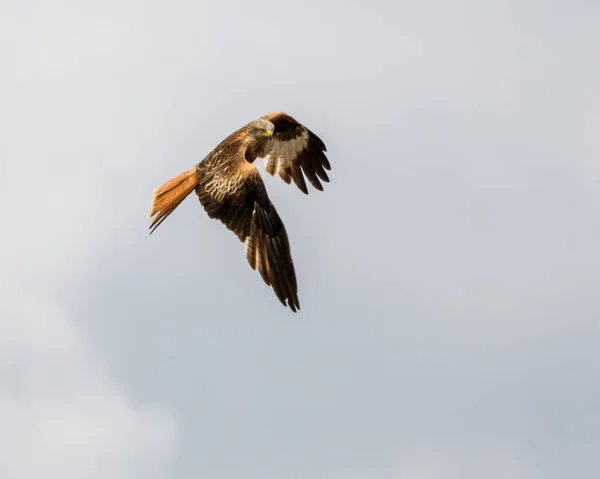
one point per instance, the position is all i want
(317, 185)
(294, 304)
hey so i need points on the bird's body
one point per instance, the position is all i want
(231, 190)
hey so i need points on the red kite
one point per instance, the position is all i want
(230, 189)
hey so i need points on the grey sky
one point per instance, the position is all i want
(448, 274)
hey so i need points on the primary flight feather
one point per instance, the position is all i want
(231, 190)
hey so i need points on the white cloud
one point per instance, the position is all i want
(61, 415)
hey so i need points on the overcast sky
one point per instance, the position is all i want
(448, 274)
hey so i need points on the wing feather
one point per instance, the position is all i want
(295, 152)
(238, 198)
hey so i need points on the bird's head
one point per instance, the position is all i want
(258, 138)
(261, 128)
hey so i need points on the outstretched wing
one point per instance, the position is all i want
(295, 152)
(235, 194)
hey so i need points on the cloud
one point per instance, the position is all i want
(62, 415)
(63, 412)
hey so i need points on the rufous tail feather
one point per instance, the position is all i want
(169, 195)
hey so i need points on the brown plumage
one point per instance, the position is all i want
(231, 190)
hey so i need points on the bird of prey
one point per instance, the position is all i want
(231, 190)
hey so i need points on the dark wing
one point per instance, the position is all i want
(295, 150)
(235, 194)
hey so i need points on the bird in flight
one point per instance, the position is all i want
(231, 190)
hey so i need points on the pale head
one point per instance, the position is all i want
(261, 128)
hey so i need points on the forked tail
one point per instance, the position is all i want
(168, 195)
